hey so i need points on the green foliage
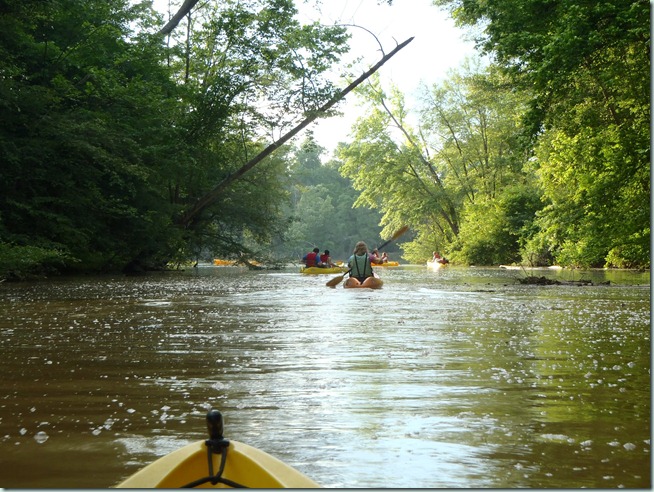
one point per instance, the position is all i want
(394, 178)
(586, 67)
(107, 136)
(246, 70)
(631, 251)
(594, 207)
(536, 250)
(322, 208)
(78, 133)
(493, 231)
(459, 180)
(27, 262)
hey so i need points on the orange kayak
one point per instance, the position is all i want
(373, 282)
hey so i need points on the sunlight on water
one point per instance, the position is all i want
(449, 378)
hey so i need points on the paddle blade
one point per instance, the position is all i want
(394, 236)
(336, 280)
(399, 232)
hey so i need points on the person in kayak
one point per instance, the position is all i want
(312, 259)
(436, 257)
(326, 260)
(360, 263)
(375, 258)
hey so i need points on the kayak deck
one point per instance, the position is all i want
(245, 465)
(369, 283)
(217, 463)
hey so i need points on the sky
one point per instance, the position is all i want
(438, 46)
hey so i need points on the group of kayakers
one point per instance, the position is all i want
(315, 259)
(359, 264)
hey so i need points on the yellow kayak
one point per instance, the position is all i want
(387, 264)
(219, 262)
(243, 466)
(319, 270)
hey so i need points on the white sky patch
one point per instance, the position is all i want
(438, 47)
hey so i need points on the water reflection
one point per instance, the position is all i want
(453, 378)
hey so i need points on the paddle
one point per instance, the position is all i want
(394, 237)
(337, 280)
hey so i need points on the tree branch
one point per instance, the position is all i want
(181, 13)
(212, 196)
(451, 216)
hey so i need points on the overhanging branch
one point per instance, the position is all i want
(174, 20)
(212, 196)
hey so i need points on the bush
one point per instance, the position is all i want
(536, 251)
(634, 253)
(26, 262)
(485, 236)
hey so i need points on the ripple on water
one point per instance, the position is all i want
(456, 378)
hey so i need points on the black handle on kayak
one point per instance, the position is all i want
(215, 425)
(215, 444)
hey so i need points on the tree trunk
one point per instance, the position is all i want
(184, 9)
(212, 196)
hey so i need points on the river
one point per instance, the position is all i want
(456, 378)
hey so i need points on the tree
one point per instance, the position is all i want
(450, 173)
(473, 121)
(211, 196)
(122, 152)
(322, 207)
(83, 119)
(587, 66)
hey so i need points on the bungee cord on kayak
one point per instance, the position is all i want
(239, 463)
(219, 445)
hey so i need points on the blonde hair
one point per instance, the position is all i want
(360, 248)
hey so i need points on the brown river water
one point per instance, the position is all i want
(457, 378)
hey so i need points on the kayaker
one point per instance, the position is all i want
(360, 263)
(384, 257)
(326, 260)
(375, 258)
(312, 259)
(438, 258)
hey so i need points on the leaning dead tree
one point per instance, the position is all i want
(184, 9)
(187, 218)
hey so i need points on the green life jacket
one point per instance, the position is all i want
(360, 266)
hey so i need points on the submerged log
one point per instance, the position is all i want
(532, 280)
(538, 281)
